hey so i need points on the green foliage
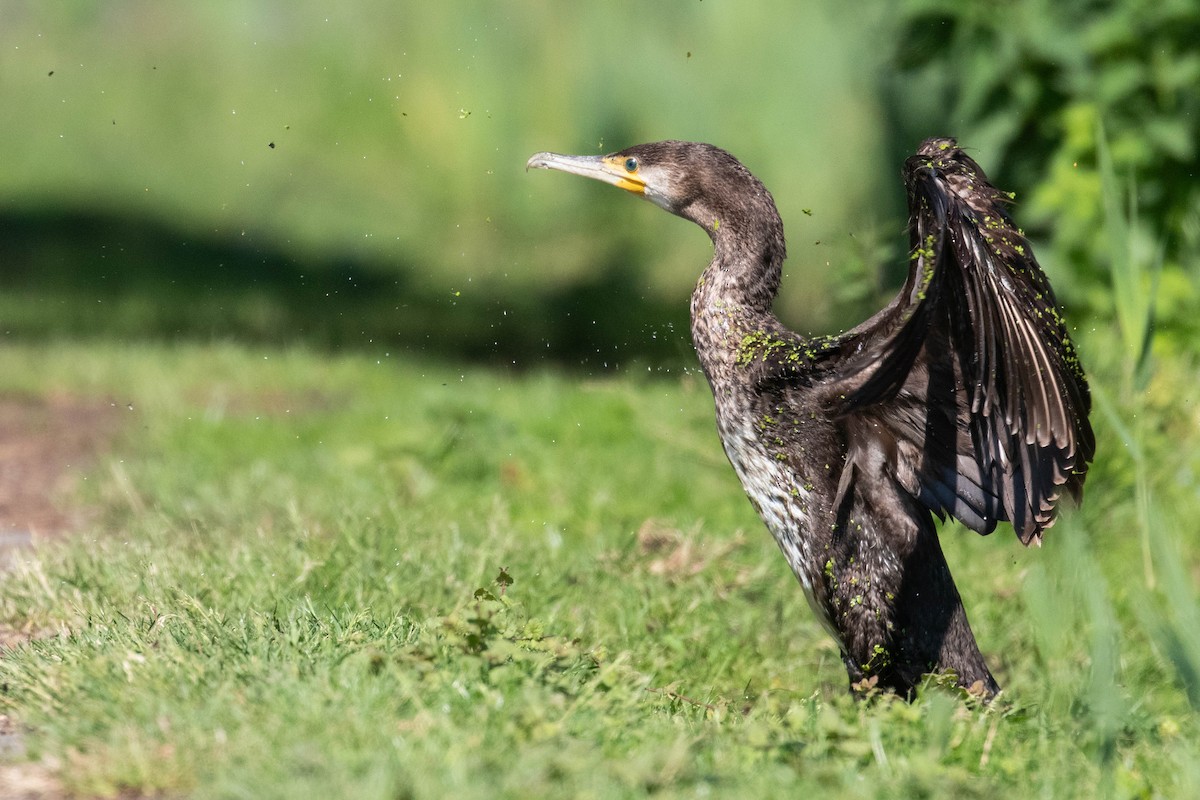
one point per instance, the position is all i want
(1063, 97)
(388, 141)
(1134, 282)
(353, 175)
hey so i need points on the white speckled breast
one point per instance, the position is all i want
(777, 494)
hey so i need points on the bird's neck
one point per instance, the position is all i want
(734, 295)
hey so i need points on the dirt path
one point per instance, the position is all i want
(44, 445)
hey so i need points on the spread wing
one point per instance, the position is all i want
(968, 380)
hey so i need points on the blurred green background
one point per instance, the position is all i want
(351, 175)
(292, 191)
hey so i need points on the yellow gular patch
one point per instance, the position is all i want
(632, 184)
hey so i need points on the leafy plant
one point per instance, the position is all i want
(1065, 96)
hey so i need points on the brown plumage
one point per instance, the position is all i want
(963, 397)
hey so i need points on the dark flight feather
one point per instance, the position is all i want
(975, 330)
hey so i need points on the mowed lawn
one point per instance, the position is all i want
(304, 575)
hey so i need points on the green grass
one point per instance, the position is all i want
(292, 591)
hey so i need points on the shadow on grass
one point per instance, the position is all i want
(87, 273)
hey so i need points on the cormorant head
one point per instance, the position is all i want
(696, 181)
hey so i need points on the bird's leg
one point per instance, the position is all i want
(895, 605)
(932, 632)
(862, 582)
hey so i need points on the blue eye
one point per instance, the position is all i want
(631, 164)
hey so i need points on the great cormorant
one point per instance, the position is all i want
(963, 397)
